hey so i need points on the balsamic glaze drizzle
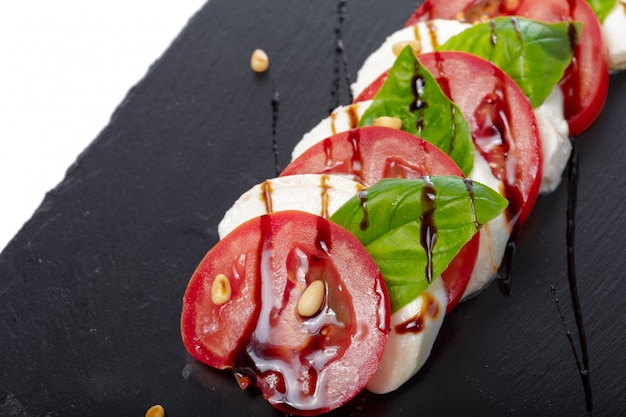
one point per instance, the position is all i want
(428, 229)
(418, 84)
(494, 36)
(469, 186)
(341, 60)
(365, 222)
(504, 282)
(572, 194)
(275, 103)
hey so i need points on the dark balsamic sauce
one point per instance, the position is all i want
(266, 196)
(572, 36)
(356, 163)
(428, 228)
(518, 30)
(430, 310)
(275, 103)
(505, 281)
(341, 60)
(323, 240)
(452, 128)
(572, 195)
(570, 82)
(441, 78)
(324, 197)
(494, 139)
(494, 36)
(353, 115)
(432, 33)
(350, 160)
(365, 221)
(418, 105)
(469, 185)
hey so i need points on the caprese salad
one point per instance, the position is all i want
(337, 275)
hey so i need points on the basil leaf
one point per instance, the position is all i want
(412, 94)
(399, 212)
(602, 8)
(534, 54)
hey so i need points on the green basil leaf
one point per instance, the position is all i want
(534, 54)
(412, 94)
(399, 211)
(602, 8)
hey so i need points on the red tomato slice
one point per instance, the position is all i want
(457, 275)
(501, 120)
(586, 81)
(372, 153)
(370, 91)
(302, 364)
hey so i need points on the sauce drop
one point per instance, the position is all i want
(428, 229)
(430, 310)
(341, 59)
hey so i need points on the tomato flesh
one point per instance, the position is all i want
(371, 153)
(302, 365)
(586, 80)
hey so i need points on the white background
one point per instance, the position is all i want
(64, 67)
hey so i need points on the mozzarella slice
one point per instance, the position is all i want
(414, 329)
(317, 194)
(429, 35)
(555, 144)
(614, 35)
(493, 236)
(342, 119)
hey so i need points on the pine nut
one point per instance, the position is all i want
(387, 121)
(399, 46)
(311, 300)
(220, 290)
(259, 61)
(155, 411)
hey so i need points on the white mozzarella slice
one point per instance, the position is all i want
(614, 35)
(407, 351)
(317, 194)
(342, 119)
(493, 236)
(555, 144)
(428, 34)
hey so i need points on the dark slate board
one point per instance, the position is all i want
(91, 287)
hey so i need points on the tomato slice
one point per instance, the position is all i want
(302, 364)
(502, 124)
(372, 153)
(370, 91)
(586, 81)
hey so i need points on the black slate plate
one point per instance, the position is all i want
(90, 289)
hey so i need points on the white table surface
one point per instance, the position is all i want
(64, 67)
